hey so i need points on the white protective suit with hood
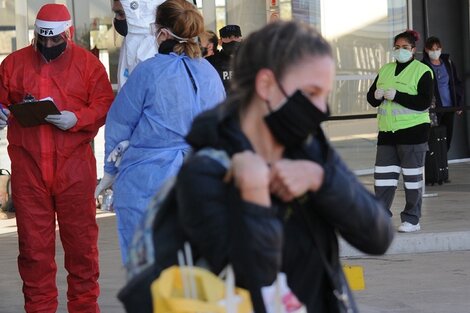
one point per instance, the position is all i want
(140, 43)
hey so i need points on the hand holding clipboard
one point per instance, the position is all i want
(34, 113)
(64, 120)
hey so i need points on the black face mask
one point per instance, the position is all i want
(230, 48)
(120, 26)
(295, 120)
(50, 53)
(204, 51)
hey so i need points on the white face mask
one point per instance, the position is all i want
(435, 54)
(402, 55)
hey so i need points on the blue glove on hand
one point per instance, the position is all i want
(4, 114)
(64, 121)
(116, 155)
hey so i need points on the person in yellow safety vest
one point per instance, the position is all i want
(402, 92)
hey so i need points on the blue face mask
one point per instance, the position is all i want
(402, 55)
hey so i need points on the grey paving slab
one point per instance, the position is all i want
(445, 221)
(415, 283)
(395, 283)
(112, 276)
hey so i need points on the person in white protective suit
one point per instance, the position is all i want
(152, 113)
(133, 20)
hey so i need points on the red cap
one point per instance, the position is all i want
(52, 19)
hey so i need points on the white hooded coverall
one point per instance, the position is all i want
(140, 43)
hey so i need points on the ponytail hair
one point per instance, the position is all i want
(184, 20)
(409, 35)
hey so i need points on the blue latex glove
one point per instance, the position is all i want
(4, 114)
(64, 120)
(116, 155)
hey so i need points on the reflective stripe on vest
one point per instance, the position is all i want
(391, 115)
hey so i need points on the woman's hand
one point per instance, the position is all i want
(251, 176)
(292, 178)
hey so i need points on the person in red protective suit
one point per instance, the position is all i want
(53, 166)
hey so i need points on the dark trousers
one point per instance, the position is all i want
(389, 163)
(447, 119)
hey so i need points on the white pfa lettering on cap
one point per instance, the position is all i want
(49, 28)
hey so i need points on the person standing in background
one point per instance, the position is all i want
(230, 38)
(402, 91)
(448, 88)
(133, 19)
(152, 114)
(209, 43)
(53, 167)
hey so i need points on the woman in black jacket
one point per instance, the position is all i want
(287, 194)
(448, 88)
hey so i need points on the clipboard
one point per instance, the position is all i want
(32, 113)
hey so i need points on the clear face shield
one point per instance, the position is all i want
(51, 40)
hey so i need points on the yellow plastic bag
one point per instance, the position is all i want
(207, 293)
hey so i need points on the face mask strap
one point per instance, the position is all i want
(180, 39)
(283, 91)
(268, 105)
(281, 88)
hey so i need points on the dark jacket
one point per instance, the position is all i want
(289, 237)
(221, 62)
(455, 84)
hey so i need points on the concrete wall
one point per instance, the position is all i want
(250, 15)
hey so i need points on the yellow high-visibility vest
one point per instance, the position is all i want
(391, 115)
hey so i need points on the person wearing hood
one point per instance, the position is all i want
(402, 92)
(52, 165)
(152, 114)
(287, 193)
(133, 20)
(230, 39)
(448, 88)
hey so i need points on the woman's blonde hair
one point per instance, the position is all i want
(184, 20)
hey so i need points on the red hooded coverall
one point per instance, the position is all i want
(54, 173)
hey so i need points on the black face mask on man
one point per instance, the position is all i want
(295, 120)
(51, 53)
(120, 26)
(229, 48)
(204, 51)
